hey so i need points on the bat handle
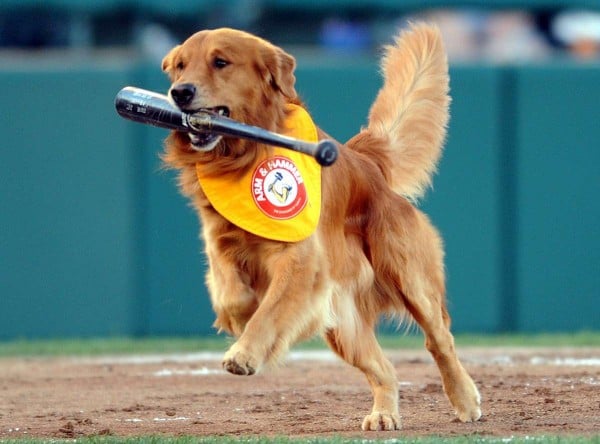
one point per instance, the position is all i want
(326, 152)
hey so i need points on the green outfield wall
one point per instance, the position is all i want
(96, 241)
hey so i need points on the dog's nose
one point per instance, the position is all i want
(183, 94)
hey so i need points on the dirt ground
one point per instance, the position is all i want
(525, 392)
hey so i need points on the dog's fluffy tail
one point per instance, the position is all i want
(411, 109)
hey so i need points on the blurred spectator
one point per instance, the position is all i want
(463, 31)
(501, 36)
(155, 41)
(343, 35)
(579, 31)
(513, 36)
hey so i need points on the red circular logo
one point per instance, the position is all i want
(278, 188)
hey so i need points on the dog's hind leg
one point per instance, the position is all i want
(424, 298)
(409, 272)
(355, 342)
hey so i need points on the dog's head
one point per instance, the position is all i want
(235, 74)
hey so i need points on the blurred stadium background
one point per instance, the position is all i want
(96, 241)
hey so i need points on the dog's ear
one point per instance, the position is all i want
(280, 66)
(167, 62)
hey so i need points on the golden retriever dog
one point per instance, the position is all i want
(372, 254)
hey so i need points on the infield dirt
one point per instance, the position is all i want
(524, 392)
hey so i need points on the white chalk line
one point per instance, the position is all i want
(328, 356)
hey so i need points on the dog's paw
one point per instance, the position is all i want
(381, 421)
(468, 407)
(239, 363)
(469, 415)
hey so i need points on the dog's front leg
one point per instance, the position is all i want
(233, 300)
(292, 307)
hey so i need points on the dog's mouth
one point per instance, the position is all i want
(206, 141)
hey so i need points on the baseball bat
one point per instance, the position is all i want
(155, 109)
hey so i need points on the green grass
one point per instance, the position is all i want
(332, 440)
(117, 345)
(100, 346)
(580, 339)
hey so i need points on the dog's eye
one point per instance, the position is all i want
(179, 66)
(220, 63)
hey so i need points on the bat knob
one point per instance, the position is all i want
(326, 153)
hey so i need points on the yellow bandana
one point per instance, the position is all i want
(278, 198)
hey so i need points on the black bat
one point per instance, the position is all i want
(155, 109)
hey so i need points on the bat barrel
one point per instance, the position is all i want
(151, 108)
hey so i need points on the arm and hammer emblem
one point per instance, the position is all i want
(278, 188)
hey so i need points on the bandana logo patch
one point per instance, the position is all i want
(278, 188)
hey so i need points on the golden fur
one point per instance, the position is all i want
(373, 252)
